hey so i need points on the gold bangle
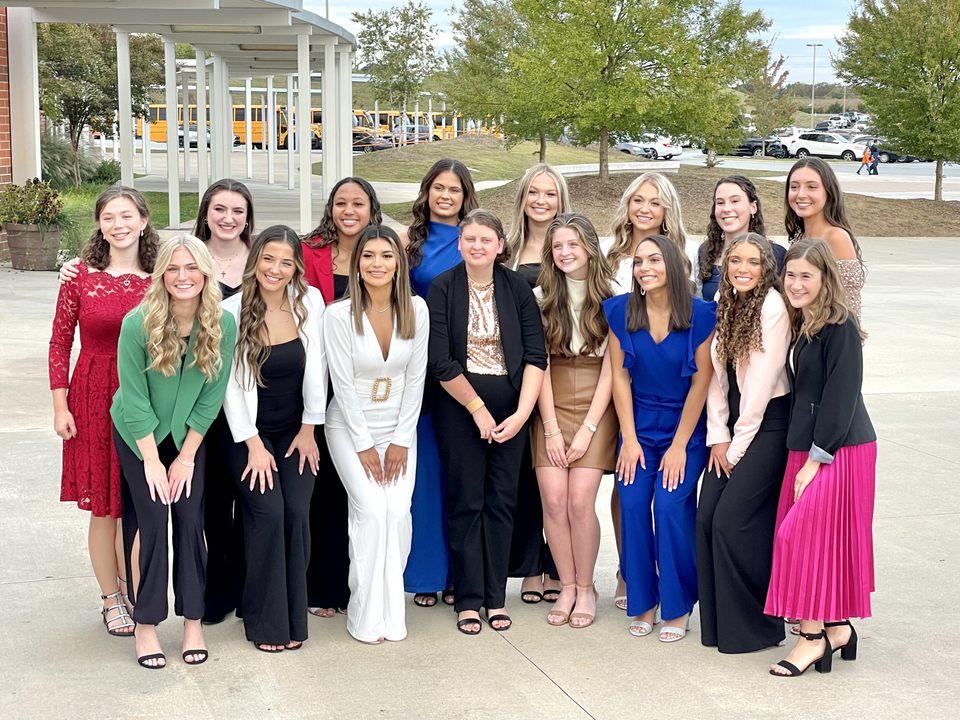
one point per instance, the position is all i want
(190, 465)
(474, 405)
(551, 420)
(553, 433)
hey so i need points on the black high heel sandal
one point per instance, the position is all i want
(823, 664)
(848, 651)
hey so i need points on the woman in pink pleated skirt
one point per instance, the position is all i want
(823, 550)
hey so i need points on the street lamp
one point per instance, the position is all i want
(813, 84)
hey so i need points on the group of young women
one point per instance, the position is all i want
(335, 420)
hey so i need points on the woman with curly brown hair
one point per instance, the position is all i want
(748, 406)
(110, 280)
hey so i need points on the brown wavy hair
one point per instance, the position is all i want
(326, 232)
(678, 289)
(253, 339)
(487, 219)
(830, 306)
(834, 209)
(417, 232)
(555, 302)
(200, 227)
(712, 247)
(738, 314)
(401, 293)
(96, 253)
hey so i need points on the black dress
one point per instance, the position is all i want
(529, 554)
(735, 525)
(329, 551)
(222, 520)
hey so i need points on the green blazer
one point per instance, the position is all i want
(149, 402)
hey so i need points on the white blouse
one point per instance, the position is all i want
(377, 399)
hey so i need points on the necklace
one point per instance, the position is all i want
(223, 262)
(381, 310)
(279, 309)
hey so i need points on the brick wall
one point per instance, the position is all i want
(6, 160)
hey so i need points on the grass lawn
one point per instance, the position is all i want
(487, 158)
(598, 201)
(78, 205)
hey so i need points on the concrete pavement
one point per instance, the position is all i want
(57, 661)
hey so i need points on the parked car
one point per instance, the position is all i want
(886, 155)
(366, 142)
(755, 146)
(413, 133)
(823, 125)
(651, 146)
(825, 145)
(192, 135)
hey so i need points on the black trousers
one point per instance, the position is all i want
(529, 553)
(223, 526)
(149, 518)
(735, 526)
(329, 550)
(276, 535)
(481, 493)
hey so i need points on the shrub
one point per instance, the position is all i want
(107, 172)
(33, 203)
(56, 163)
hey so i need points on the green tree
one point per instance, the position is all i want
(395, 46)
(619, 67)
(903, 59)
(78, 77)
(772, 109)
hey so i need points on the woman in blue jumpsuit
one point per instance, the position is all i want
(660, 343)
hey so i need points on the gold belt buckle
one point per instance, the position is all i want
(380, 390)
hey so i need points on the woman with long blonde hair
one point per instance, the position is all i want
(276, 396)
(542, 194)
(822, 569)
(173, 358)
(574, 435)
(748, 406)
(376, 343)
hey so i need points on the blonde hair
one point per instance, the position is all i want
(165, 347)
(830, 306)
(401, 294)
(671, 227)
(517, 239)
(555, 305)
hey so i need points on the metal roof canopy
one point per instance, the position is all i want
(246, 38)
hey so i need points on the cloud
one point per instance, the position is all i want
(816, 32)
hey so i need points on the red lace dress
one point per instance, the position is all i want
(97, 301)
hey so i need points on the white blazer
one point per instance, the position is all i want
(240, 403)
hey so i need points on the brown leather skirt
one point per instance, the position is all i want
(574, 381)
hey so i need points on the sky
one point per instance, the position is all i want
(794, 24)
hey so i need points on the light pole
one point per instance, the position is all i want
(813, 83)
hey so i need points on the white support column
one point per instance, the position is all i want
(125, 111)
(248, 124)
(271, 137)
(103, 139)
(303, 130)
(116, 139)
(147, 144)
(344, 110)
(24, 94)
(430, 118)
(216, 119)
(185, 83)
(376, 117)
(226, 100)
(416, 121)
(327, 101)
(291, 136)
(173, 169)
(203, 176)
(403, 124)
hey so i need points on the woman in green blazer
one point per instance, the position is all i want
(173, 361)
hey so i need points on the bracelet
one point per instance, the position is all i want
(185, 464)
(551, 420)
(475, 405)
(552, 433)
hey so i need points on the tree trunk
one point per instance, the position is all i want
(938, 182)
(604, 154)
(543, 148)
(75, 146)
(711, 158)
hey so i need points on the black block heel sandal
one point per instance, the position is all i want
(823, 664)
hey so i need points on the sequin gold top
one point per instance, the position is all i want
(484, 350)
(852, 279)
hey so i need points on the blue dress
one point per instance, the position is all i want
(660, 567)
(428, 565)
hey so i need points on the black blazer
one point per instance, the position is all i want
(521, 332)
(827, 409)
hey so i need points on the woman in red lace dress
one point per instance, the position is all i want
(111, 279)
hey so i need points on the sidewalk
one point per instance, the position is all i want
(57, 661)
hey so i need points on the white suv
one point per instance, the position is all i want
(824, 144)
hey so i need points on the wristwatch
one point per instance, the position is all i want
(589, 426)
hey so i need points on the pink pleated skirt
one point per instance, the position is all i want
(823, 548)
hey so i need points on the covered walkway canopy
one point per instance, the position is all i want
(232, 39)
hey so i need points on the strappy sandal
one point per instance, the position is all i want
(294, 645)
(125, 597)
(531, 597)
(121, 621)
(589, 617)
(672, 633)
(447, 596)
(267, 647)
(499, 617)
(144, 659)
(203, 654)
(823, 664)
(425, 599)
(848, 651)
(462, 625)
(550, 595)
(564, 617)
(641, 628)
(621, 600)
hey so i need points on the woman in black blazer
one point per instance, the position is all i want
(823, 551)
(487, 351)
